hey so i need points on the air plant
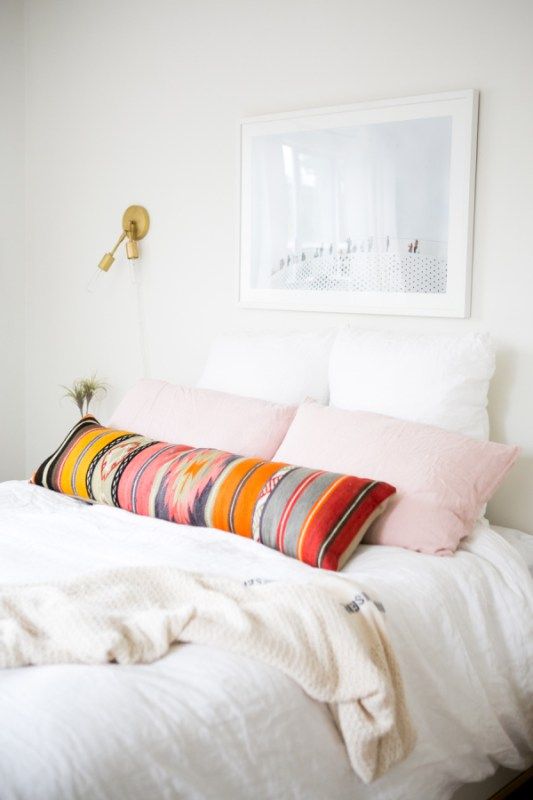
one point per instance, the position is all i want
(83, 391)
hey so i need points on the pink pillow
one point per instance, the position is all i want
(204, 418)
(442, 479)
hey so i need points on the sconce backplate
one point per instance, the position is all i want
(140, 218)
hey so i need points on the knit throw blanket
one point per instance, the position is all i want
(325, 635)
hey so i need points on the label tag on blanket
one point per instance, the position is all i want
(352, 607)
(359, 600)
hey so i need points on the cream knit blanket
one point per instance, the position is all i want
(325, 635)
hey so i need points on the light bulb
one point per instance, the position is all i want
(92, 283)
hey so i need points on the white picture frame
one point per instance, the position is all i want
(381, 178)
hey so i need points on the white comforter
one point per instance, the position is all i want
(204, 723)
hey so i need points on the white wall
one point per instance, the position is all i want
(135, 102)
(12, 239)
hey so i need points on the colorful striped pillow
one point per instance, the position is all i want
(318, 517)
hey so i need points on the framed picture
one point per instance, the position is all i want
(363, 208)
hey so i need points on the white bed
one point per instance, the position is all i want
(203, 723)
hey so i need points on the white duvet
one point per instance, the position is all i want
(204, 723)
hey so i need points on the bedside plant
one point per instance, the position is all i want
(83, 391)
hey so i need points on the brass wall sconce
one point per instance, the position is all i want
(135, 226)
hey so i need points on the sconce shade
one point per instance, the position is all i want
(106, 262)
(132, 249)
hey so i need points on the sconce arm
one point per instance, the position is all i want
(119, 242)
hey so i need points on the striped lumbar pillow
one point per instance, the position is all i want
(315, 516)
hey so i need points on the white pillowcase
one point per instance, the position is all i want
(440, 380)
(280, 367)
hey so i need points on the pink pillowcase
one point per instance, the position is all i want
(442, 479)
(204, 418)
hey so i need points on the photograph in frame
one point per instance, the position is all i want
(361, 208)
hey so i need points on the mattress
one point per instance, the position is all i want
(205, 723)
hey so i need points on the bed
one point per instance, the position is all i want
(202, 722)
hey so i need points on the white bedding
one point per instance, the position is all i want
(203, 723)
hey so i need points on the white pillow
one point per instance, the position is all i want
(439, 380)
(280, 367)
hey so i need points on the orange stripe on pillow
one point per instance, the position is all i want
(247, 494)
(226, 489)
